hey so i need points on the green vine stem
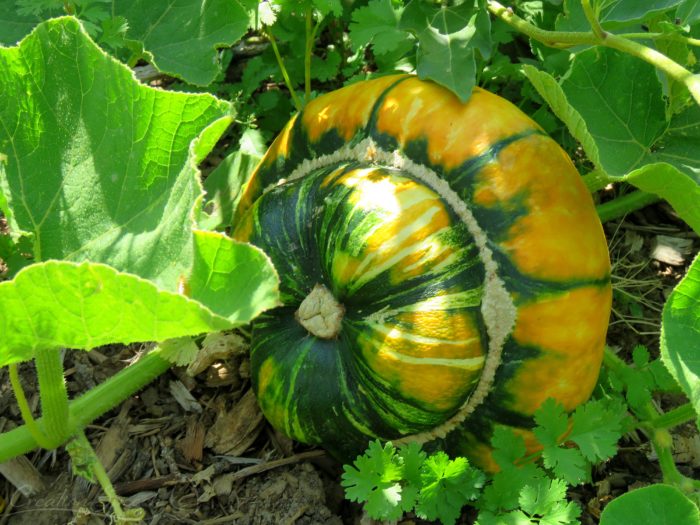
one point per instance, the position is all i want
(54, 396)
(655, 425)
(625, 204)
(91, 405)
(674, 417)
(25, 410)
(661, 36)
(568, 39)
(87, 464)
(596, 180)
(310, 38)
(285, 74)
(592, 18)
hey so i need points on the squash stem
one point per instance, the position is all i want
(596, 180)
(54, 396)
(674, 417)
(625, 204)
(25, 409)
(91, 405)
(592, 18)
(564, 39)
(87, 464)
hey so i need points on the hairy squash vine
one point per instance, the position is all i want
(442, 267)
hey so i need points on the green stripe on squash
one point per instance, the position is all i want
(440, 238)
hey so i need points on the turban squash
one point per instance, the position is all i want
(442, 268)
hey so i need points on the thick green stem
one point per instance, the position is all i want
(569, 39)
(548, 38)
(621, 206)
(92, 404)
(674, 417)
(54, 396)
(592, 18)
(596, 180)
(659, 60)
(307, 53)
(661, 36)
(614, 363)
(285, 74)
(25, 409)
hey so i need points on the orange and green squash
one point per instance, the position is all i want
(442, 268)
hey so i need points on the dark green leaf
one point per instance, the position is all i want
(378, 23)
(183, 36)
(620, 99)
(552, 423)
(688, 12)
(503, 492)
(596, 429)
(447, 39)
(507, 446)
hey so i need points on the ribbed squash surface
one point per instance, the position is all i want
(462, 253)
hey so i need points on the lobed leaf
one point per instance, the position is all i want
(545, 501)
(447, 40)
(447, 485)
(183, 37)
(374, 479)
(550, 90)
(378, 23)
(620, 99)
(235, 280)
(596, 429)
(65, 304)
(100, 167)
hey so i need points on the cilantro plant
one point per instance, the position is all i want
(391, 481)
(110, 239)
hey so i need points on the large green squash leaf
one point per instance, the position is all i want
(101, 172)
(612, 103)
(65, 304)
(620, 99)
(181, 37)
(100, 167)
(680, 334)
(653, 505)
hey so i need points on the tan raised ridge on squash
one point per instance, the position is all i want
(497, 307)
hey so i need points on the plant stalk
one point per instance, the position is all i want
(285, 74)
(25, 409)
(596, 180)
(568, 39)
(621, 206)
(592, 18)
(54, 396)
(307, 53)
(674, 417)
(91, 405)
